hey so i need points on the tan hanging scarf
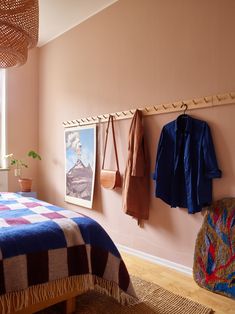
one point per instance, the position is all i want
(110, 179)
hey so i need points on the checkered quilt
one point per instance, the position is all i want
(40, 243)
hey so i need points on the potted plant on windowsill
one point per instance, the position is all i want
(18, 165)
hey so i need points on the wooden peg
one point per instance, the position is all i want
(155, 108)
(232, 95)
(222, 97)
(146, 109)
(124, 113)
(173, 105)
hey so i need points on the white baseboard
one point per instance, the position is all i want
(155, 259)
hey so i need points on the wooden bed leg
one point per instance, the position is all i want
(70, 306)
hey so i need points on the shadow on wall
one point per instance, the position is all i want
(224, 187)
(98, 201)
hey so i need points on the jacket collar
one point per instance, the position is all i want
(179, 122)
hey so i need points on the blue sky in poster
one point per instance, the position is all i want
(85, 137)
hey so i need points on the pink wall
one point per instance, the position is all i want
(22, 115)
(135, 53)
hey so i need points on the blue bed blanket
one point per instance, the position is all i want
(41, 243)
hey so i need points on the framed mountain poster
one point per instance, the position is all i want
(80, 162)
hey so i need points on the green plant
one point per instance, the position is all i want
(19, 164)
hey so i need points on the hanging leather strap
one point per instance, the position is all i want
(114, 141)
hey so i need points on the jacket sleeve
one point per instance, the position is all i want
(211, 167)
(159, 150)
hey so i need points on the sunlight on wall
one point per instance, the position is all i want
(3, 116)
(3, 174)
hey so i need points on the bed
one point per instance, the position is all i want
(49, 254)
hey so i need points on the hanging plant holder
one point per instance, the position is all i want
(19, 21)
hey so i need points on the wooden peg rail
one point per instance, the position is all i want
(196, 103)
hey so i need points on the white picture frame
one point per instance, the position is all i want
(80, 164)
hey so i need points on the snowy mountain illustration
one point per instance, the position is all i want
(79, 181)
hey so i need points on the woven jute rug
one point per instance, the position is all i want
(152, 299)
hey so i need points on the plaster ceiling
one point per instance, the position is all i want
(58, 16)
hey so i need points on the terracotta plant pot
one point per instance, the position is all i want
(25, 184)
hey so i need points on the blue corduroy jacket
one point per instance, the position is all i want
(186, 164)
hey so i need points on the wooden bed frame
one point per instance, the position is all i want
(68, 299)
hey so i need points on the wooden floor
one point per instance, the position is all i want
(179, 283)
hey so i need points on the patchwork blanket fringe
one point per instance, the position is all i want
(19, 300)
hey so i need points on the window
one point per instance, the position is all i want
(2, 118)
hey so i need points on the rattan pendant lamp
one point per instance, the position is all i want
(18, 30)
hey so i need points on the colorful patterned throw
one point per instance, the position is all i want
(44, 244)
(214, 258)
